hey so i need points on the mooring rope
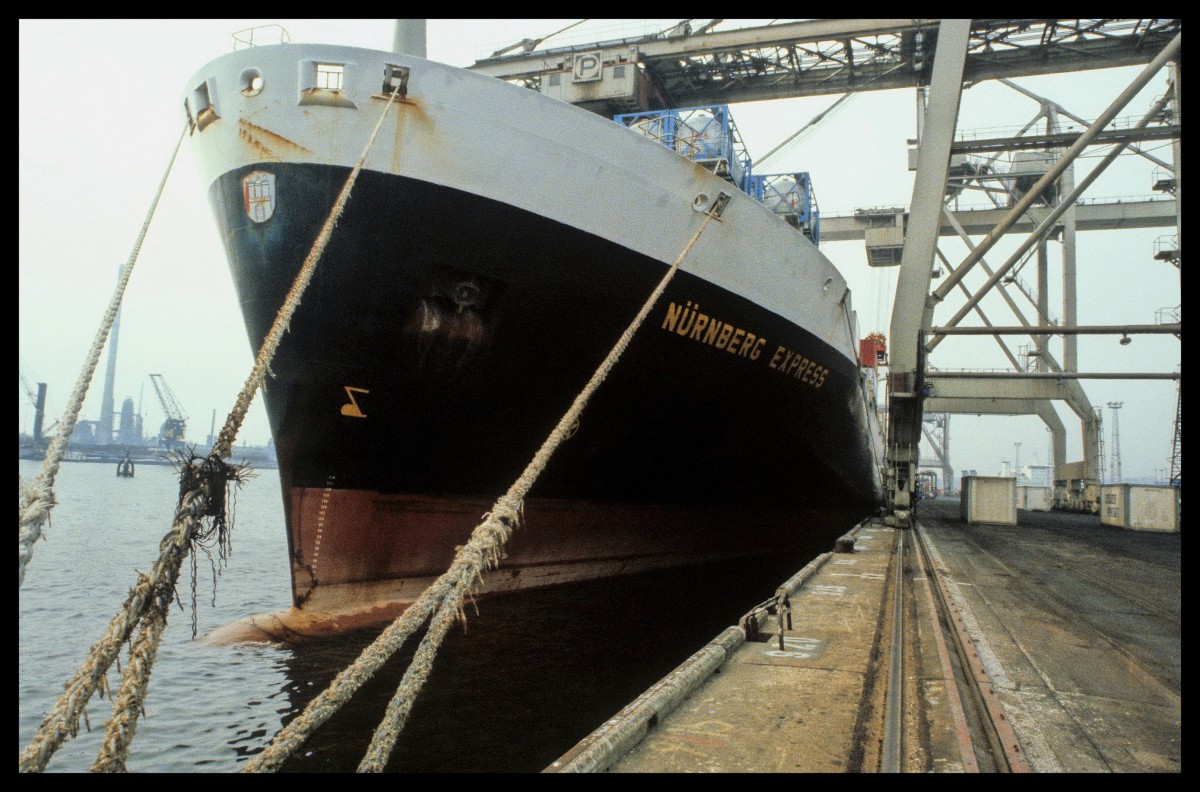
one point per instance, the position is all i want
(37, 497)
(442, 602)
(63, 720)
(156, 591)
(122, 727)
(354, 676)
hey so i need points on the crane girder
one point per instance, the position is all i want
(829, 56)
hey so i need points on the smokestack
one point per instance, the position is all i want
(104, 427)
(409, 37)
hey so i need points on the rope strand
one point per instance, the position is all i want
(130, 701)
(62, 722)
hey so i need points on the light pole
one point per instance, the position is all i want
(1116, 453)
(1017, 465)
(1052, 472)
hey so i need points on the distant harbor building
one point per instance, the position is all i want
(84, 433)
(130, 433)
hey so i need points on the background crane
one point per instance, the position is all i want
(171, 435)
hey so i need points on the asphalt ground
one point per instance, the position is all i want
(1079, 629)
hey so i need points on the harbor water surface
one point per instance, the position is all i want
(526, 678)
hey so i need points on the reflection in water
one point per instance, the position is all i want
(533, 673)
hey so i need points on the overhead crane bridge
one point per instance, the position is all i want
(694, 64)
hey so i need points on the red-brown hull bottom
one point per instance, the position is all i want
(388, 549)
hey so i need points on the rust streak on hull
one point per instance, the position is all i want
(265, 141)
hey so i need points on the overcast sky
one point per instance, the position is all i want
(101, 109)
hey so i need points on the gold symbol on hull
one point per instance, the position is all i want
(352, 410)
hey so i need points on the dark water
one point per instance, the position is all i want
(530, 676)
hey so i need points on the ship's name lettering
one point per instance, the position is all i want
(796, 365)
(690, 322)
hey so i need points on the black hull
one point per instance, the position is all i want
(445, 334)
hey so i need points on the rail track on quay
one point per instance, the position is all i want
(1078, 627)
(942, 648)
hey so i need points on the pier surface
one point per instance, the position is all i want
(1049, 646)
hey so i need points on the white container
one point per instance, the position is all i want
(989, 499)
(1033, 498)
(1140, 507)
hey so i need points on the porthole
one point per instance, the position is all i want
(251, 82)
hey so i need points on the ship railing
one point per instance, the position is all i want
(260, 36)
(1166, 247)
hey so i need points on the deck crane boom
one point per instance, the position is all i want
(175, 426)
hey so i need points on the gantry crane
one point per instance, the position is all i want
(174, 427)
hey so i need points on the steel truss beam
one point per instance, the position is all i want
(966, 386)
(1138, 329)
(1064, 139)
(1052, 174)
(1106, 216)
(1055, 375)
(829, 56)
